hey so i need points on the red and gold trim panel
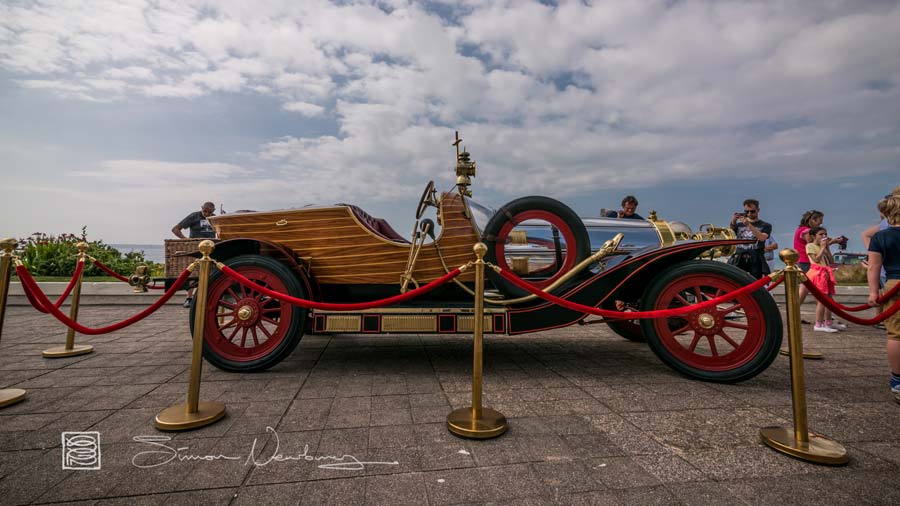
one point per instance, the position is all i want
(407, 321)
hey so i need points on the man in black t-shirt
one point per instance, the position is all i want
(200, 228)
(197, 222)
(747, 225)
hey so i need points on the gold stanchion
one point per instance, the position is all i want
(476, 421)
(799, 443)
(70, 349)
(195, 413)
(812, 355)
(8, 396)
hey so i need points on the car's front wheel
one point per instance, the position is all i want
(729, 342)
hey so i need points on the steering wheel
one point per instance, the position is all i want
(426, 200)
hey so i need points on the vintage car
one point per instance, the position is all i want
(340, 254)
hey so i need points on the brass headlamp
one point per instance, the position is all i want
(465, 168)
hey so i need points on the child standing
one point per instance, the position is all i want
(884, 250)
(821, 275)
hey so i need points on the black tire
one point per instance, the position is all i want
(627, 329)
(517, 210)
(754, 316)
(290, 320)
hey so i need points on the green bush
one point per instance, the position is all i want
(49, 255)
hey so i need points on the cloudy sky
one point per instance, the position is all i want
(125, 115)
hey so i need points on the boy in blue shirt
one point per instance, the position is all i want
(884, 250)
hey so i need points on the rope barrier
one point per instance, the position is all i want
(659, 313)
(880, 300)
(776, 283)
(308, 304)
(116, 275)
(38, 299)
(79, 267)
(837, 308)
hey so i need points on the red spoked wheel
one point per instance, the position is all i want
(729, 342)
(248, 331)
(575, 244)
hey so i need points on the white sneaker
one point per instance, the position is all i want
(838, 326)
(824, 328)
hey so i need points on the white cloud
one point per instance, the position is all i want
(305, 109)
(550, 99)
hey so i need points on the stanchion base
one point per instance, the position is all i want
(812, 355)
(11, 396)
(178, 418)
(819, 450)
(491, 424)
(62, 352)
(897, 398)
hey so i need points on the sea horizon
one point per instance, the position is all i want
(152, 252)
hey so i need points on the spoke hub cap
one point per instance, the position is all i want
(247, 313)
(707, 324)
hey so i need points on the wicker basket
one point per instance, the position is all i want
(178, 255)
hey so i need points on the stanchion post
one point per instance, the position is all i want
(70, 349)
(813, 355)
(799, 443)
(195, 413)
(477, 421)
(8, 396)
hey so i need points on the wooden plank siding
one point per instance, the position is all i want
(344, 251)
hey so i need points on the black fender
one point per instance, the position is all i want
(236, 247)
(624, 281)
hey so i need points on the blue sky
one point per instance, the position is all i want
(126, 115)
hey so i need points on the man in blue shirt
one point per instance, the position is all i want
(629, 206)
(884, 250)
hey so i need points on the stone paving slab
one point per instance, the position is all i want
(594, 420)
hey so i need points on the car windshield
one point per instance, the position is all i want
(481, 213)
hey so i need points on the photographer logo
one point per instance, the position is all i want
(81, 450)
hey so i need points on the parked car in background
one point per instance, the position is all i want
(849, 258)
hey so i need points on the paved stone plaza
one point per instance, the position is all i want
(594, 420)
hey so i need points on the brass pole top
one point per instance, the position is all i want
(206, 247)
(82, 247)
(8, 244)
(480, 249)
(789, 256)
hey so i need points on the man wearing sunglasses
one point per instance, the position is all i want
(747, 225)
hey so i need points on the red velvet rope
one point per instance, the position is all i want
(634, 315)
(880, 300)
(231, 273)
(38, 299)
(110, 271)
(836, 308)
(79, 267)
(773, 285)
(119, 276)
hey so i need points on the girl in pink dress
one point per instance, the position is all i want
(821, 275)
(811, 218)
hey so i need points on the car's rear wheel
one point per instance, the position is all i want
(629, 329)
(726, 343)
(572, 237)
(245, 330)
